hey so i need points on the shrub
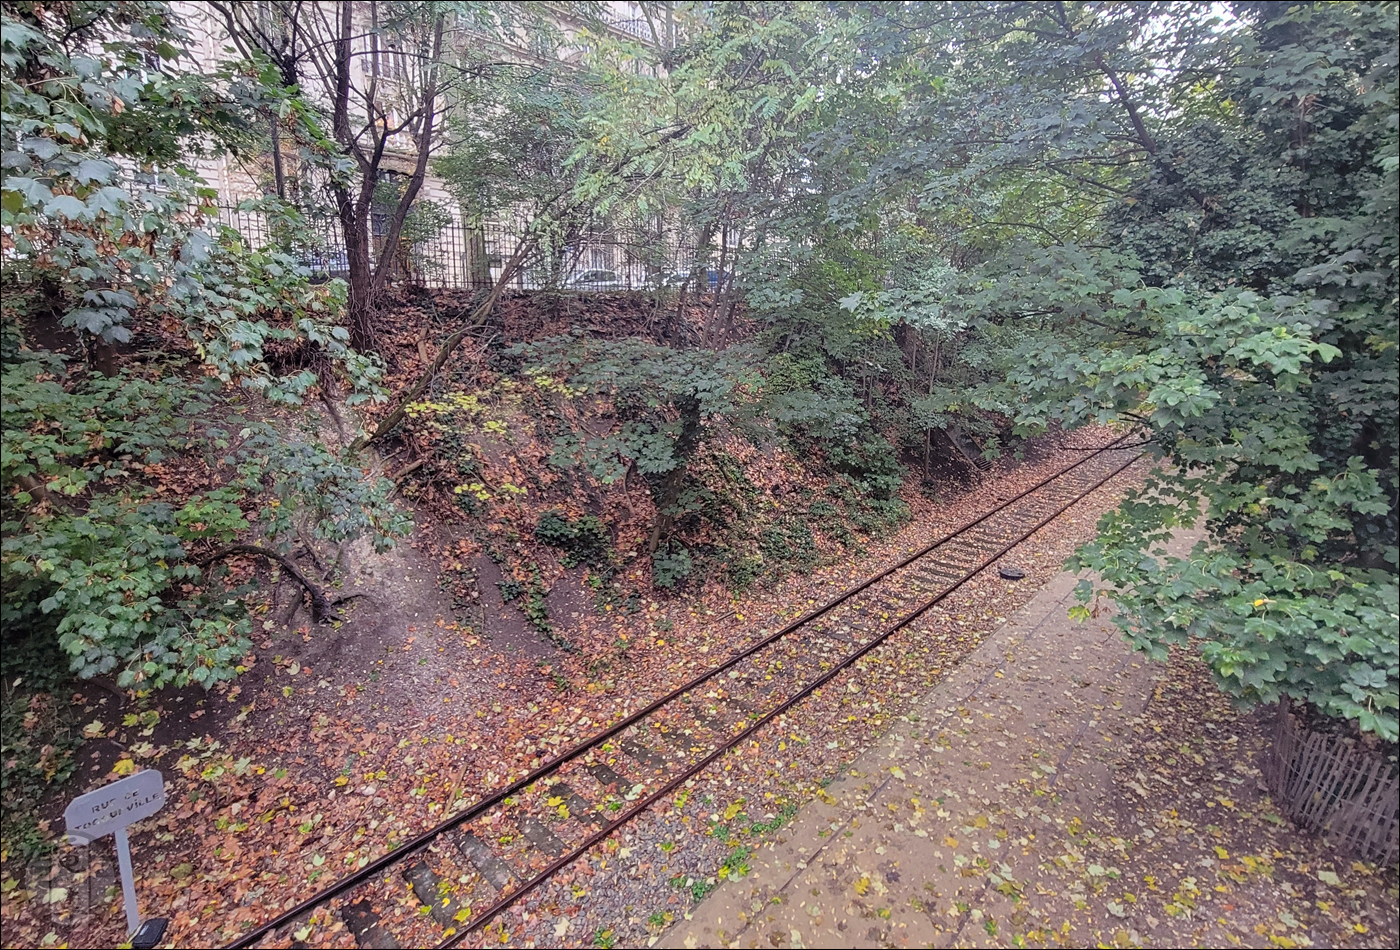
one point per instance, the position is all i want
(670, 566)
(584, 541)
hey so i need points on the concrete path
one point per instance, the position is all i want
(937, 835)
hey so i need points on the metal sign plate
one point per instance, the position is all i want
(114, 806)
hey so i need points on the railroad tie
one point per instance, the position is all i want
(684, 740)
(538, 834)
(938, 574)
(364, 924)
(606, 777)
(427, 887)
(891, 606)
(578, 806)
(647, 756)
(481, 857)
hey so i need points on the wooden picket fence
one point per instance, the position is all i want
(1337, 786)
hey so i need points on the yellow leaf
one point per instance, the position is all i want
(733, 810)
(896, 771)
(124, 767)
(556, 801)
(862, 886)
(1221, 853)
(951, 842)
(342, 780)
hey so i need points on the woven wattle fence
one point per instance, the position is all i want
(1337, 786)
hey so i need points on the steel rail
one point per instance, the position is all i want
(481, 806)
(564, 861)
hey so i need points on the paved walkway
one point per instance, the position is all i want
(936, 836)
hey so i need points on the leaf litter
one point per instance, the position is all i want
(330, 771)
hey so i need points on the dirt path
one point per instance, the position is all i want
(1013, 806)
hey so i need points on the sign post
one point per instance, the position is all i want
(108, 811)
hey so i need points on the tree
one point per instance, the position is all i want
(383, 74)
(1246, 319)
(1136, 213)
(129, 474)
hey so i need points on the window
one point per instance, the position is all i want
(392, 63)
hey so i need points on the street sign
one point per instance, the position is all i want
(108, 811)
(114, 806)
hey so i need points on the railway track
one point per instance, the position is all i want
(507, 845)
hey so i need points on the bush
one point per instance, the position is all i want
(789, 544)
(741, 571)
(37, 753)
(116, 560)
(584, 541)
(870, 461)
(670, 566)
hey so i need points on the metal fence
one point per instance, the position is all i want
(458, 255)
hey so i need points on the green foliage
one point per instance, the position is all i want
(670, 566)
(741, 570)
(789, 545)
(105, 558)
(123, 479)
(1009, 217)
(1108, 212)
(871, 464)
(91, 242)
(663, 399)
(1254, 340)
(582, 541)
(532, 593)
(668, 402)
(37, 752)
(1266, 626)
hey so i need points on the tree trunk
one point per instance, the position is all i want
(721, 292)
(279, 177)
(478, 264)
(361, 303)
(420, 166)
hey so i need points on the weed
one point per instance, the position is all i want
(737, 864)
(697, 887)
(783, 816)
(532, 594)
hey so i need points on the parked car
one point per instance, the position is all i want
(596, 279)
(325, 265)
(711, 278)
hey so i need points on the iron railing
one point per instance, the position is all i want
(468, 256)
